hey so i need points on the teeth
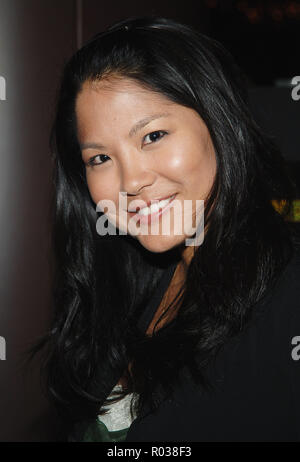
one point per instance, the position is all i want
(155, 207)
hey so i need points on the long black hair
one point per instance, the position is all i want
(102, 283)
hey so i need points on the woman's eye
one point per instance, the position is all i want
(92, 162)
(154, 136)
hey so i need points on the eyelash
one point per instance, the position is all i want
(92, 163)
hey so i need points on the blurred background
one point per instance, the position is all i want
(36, 38)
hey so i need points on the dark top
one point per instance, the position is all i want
(151, 308)
(256, 377)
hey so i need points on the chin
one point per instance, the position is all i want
(160, 244)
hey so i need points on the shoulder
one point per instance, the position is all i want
(282, 300)
(275, 319)
(289, 293)
(287, 287)
(278, 320)
(290, 300)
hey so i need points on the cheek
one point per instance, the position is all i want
(192, 162)
(100, 189)
(203, 175)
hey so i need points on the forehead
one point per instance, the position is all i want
(114, 105)
(117, 93)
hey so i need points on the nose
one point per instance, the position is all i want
(135, 175)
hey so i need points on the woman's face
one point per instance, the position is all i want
(149, 147)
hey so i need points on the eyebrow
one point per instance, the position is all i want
(142, 123)
(133, 131)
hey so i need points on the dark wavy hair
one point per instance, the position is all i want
(102, 283)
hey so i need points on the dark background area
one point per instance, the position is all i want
(261, 35)
(36, 38)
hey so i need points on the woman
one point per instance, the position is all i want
(193, 331)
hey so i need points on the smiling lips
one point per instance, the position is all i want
(153, 208)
